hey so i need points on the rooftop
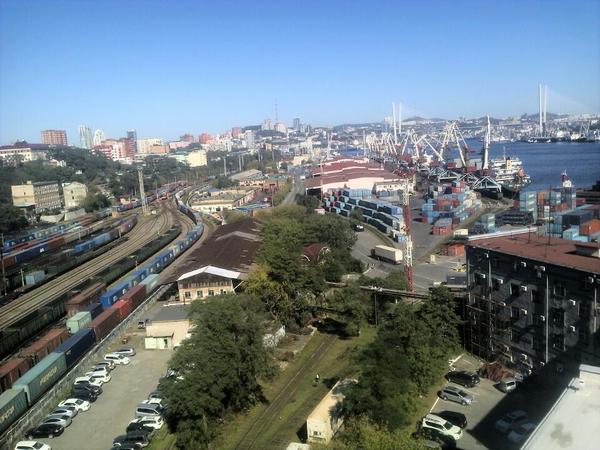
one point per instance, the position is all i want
(572, 421)
(348, 175)
(322, 411)
(172, 312)
(211, 270)
(559, 252)
(252, 173)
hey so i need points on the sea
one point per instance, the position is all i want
(545, 162)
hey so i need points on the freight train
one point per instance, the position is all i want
(94, 314)
(185, 209)
(161, 193)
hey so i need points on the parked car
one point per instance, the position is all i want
(126, 351)
(521, 433)
(32, 445)
(45, 430)
(103, 377)
(136, 438)
(88, 380)
(507, 385)
(466, 379)
(435, 439)
(146, 408)
(86, 395)
(155, 395)
(435, 422)
(511, 421)
(108, 364)
(80, 405)
(155, 422)
(70, 411)
(456, 395)
(88, 387)
(455, 418)
(58, 419)
(118, 446)
(359, 227)
(117, 359)
(102, 370)
(139, 426)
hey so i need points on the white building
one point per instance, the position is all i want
(13, 156)
(197, 158)
(98, 137)
(326, 419)
(74, 193)
(86, 139)
(144, 145)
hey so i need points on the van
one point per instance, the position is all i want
(507, 385)
(146, 409)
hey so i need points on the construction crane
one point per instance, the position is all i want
(408, 246)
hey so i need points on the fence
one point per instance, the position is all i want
(62, 388)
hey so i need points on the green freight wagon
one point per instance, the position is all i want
(42, 376)
(79, 321)
(13, 403)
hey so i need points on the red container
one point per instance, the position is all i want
(105, 323)
(84, 298)
(590, 227)
(136, 295)
(56, 242)
(124, 307)
(11, 370)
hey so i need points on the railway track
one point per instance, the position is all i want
(47, 293)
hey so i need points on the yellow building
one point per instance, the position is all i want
(197, 158)
(74, 193)
(326, 419)
(207, 282)
(167, 328)
(43, 194)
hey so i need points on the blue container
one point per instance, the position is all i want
(94, 309)
(76, 346)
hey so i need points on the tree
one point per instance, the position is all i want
(216, 370)
(94, 201)
(275, 299)
(310, 202)
(11, 219)
(356, 215)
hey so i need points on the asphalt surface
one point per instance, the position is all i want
(107, 418)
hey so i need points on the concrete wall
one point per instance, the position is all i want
(62, 388)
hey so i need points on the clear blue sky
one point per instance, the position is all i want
(170, 67)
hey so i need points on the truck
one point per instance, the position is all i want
(385, 253)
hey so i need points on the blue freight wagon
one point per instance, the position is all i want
(13, 403)
(76, 346)
(94, 309)
(42, 376)
(112, 295)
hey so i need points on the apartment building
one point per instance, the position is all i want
(74, 193)
(533, 300)
(45, 195)
(54, 137)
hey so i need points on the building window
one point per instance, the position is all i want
(496, 283)
(211, 292)
(198, 294)
(222, 291)
(583, 310)
(584, 336)
(515, 289)
(514, 336)
(515, 312)
(187, 294)
(560, 290)
(536, 296)
(558, 317)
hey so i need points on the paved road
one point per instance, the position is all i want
(96, 428)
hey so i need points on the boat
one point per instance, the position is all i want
(508, 172)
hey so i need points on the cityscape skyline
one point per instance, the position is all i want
(328, 65)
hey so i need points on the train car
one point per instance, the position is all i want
(150, 283)
(45, 345)
(11, 370)
(124, 307)
(76, 346)
(94, 309)
(105, 323)
(79, 301)
(136, 295)
(112, 295)
(13, 403)
(42, 376)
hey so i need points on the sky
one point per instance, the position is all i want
(167, 68)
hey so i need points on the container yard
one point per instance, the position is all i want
(449, 205)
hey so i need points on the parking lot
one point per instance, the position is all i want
(107, 418)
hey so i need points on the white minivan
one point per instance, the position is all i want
(116, 358)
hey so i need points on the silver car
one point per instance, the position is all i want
(66, 410)
(126, 351)
(59, 419)
(456, 395)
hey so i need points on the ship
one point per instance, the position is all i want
(508, 172)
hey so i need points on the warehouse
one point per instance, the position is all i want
(167, 328)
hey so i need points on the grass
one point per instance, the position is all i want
(162, 440)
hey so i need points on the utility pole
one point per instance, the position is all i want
(224, 165)
(3, 271)
(142, 192)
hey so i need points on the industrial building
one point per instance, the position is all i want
(167, 328)
(222, 200)
(43, 194)
(533, 300)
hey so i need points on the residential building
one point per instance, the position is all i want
(158, 149)
(168, 328)
(533, 300)
(54, 137)
(44, 195)
(236, 132)
(280, 127)
(12, 156)
(175, 145)
(132, 136)
(297, 123)
(187, 138)
(74, 193)
(98, 137)
(197, 158)
(326, 419)
(206, 282)
(143, 145)
(571, 422)
(204, 138)
(86, 139)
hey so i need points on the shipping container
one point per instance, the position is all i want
(94, 309)
(76, 346)
(124, 307)
(11, 370)
(13, 403)
(42, 376)
(34, 277)
(105, 323)
(136, 295)
(150, 283)
(85, 297)
(590, 227)
(78, 321)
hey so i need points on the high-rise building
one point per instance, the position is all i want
(132, 136)
(297, 124)
(280, 127)
(143, 145)
(187, 138)
(86, 139)
(54, 137)
(235, 132)
(267, 125)
(98, 137)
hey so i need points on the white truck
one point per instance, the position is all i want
(385, 253)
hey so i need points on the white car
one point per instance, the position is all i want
(442, 426)
(155, 422)
(32, 445)
(125, 351)
(117, 359)
(88, 380)
(66, 410)
(81, 405)
(110, 365)
(519, 434)
(100, 376)
(60, 419)
(511, 421)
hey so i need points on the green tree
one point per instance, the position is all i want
(356, 215)
(310, 202)
(11, 219)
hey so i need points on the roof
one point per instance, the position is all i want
(171, 313)
(246, 174)
(346, 176)
(572, 421)
(232, 247)
(224, 273)
(312, 252)
(555, 251)
(322, 412)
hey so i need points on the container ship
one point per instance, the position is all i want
(508, 172)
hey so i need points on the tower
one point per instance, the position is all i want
(142, 191)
